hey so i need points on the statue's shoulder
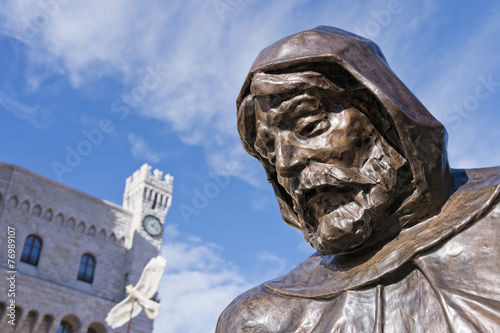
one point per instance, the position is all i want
(481, 178)
(258, 310)
(485, 182)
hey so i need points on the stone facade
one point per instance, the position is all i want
(70, 224)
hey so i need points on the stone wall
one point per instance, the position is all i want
(69, 223)
(50, 300)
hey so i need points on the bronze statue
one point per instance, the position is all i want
(357, 163)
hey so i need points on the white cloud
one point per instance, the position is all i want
(198, 284)
(208, 53)
(204, 53)
(38, 117)
(141, 151)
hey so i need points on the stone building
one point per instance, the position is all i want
(74, 253)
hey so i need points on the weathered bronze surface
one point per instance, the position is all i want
(405, 244)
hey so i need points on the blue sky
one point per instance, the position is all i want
(158, 80)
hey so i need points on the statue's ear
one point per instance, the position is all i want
(247, 127)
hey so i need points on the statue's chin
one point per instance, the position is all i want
(342, 230)
(343, 242)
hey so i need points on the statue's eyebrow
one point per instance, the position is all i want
(288, 109)
(264, 84)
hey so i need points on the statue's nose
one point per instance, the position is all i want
(290, 159)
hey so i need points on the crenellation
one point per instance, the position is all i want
(158, 174)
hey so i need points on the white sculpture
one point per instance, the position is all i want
(139, 296)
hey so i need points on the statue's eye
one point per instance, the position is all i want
(312, 126)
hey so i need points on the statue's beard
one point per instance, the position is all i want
(341, 208)
(339, 221)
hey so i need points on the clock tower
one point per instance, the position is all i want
(147, 196)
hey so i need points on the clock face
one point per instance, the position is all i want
(152, 225)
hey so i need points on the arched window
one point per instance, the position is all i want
(96, 328)
(46, 324)
(31, 250)
(87, 267)
(29, 322)
(65, 327)
(69, 324)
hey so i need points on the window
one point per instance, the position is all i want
(31, 250)
(87, 267)
(69, 324)
(29, 322)
(2, 309)
(46, 324)
(96, 327)
(65, 327)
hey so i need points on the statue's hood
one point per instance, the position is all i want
(422, 137)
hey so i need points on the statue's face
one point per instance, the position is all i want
(339, 171)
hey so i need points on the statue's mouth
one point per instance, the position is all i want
(320, 175)
(322, 189)
(339, 208)
(326, 200)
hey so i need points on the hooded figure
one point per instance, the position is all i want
(357, 163)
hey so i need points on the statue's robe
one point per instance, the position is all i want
(441, 275)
